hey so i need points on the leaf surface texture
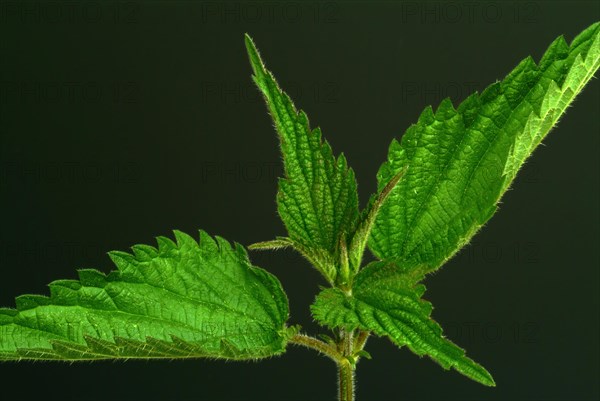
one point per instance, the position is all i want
(386, 300)
(184, 299)
(317, 199)
(461, 160)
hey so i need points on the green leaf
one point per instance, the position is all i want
(460, 161)
(367, 220)
(182, 300)
(386, 300)
(317, 200)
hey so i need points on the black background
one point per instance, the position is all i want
(123, 121)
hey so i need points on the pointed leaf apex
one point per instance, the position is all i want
(462, 161)
(317, 200)
(255, 60)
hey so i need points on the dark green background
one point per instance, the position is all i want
(122, 121)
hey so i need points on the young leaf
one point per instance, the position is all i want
(367, 219)
(462, 160)
(317, 199)
(386, 300)
(182, 300)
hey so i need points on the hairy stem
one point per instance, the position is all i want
(361, 340)
(318, 345)
(342, 356)
(346, 377)
(346, 367)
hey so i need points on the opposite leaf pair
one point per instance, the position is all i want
(441, 183)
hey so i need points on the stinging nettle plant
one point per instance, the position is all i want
(193, 298)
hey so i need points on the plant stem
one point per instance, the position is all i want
(346, 367)
(343, 356)
(346, 381)
(318, 345)
(361, 340)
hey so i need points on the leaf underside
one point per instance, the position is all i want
(388, 303)
(317, 200)
(186, 299)
(460, 161)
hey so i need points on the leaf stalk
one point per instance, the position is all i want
(318, 345)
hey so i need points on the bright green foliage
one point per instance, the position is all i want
(386, 300)
(191, 299)
(460, 161)
(182, 300)
(367, 220)
(317, 199)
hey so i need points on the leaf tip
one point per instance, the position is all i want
(255, 60)
(486, 378)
